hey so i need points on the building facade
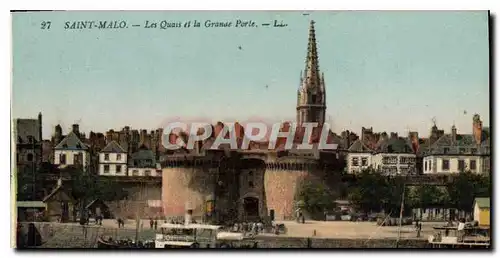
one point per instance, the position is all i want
(113, 160)
(143, 164)
(455, 153)
(71, 151)
(481, 210)
(28, 140)
(389, 155)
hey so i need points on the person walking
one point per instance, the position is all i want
(461, 230)
(151, 223)
(156, 224)
(419, 228)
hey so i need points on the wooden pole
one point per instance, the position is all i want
(137, 220)
(401, 212)
(401, 215)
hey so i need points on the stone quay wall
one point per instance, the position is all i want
(55, 235)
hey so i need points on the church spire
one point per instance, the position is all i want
(311, 104)
(312, 74)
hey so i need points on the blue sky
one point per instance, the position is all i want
(390, 70)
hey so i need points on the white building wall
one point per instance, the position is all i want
(112, 163)
(399, 165)
(70, 157)
(113, 158)
(360, 156)
(437, 164)
(144, 171)
(112, 169)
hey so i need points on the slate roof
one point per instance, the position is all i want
(25, 129)
(71, 142)
(464, 144)
(483, 202)
(142, 158)
(57, 189)
(113, 147)
(96, 201)
(394, 145)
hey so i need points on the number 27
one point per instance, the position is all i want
(45, 25)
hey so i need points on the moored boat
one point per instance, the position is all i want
(448, 237)
(122, 244)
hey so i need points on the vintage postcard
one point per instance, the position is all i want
(251, 129)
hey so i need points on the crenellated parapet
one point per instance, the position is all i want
(273, 160)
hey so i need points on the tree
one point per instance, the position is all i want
(315, 197)
(424, 196)
(465, 187)
(370, 191)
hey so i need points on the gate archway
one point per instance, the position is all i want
(251, 207)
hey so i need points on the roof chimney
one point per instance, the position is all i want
(477, 128)
(76, 129)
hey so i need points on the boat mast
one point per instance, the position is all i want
(401, 210)
(401, 215)
(137, 219)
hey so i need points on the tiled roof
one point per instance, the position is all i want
(359, 146)
(113, 147)
(71, 142)
(25, 129)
